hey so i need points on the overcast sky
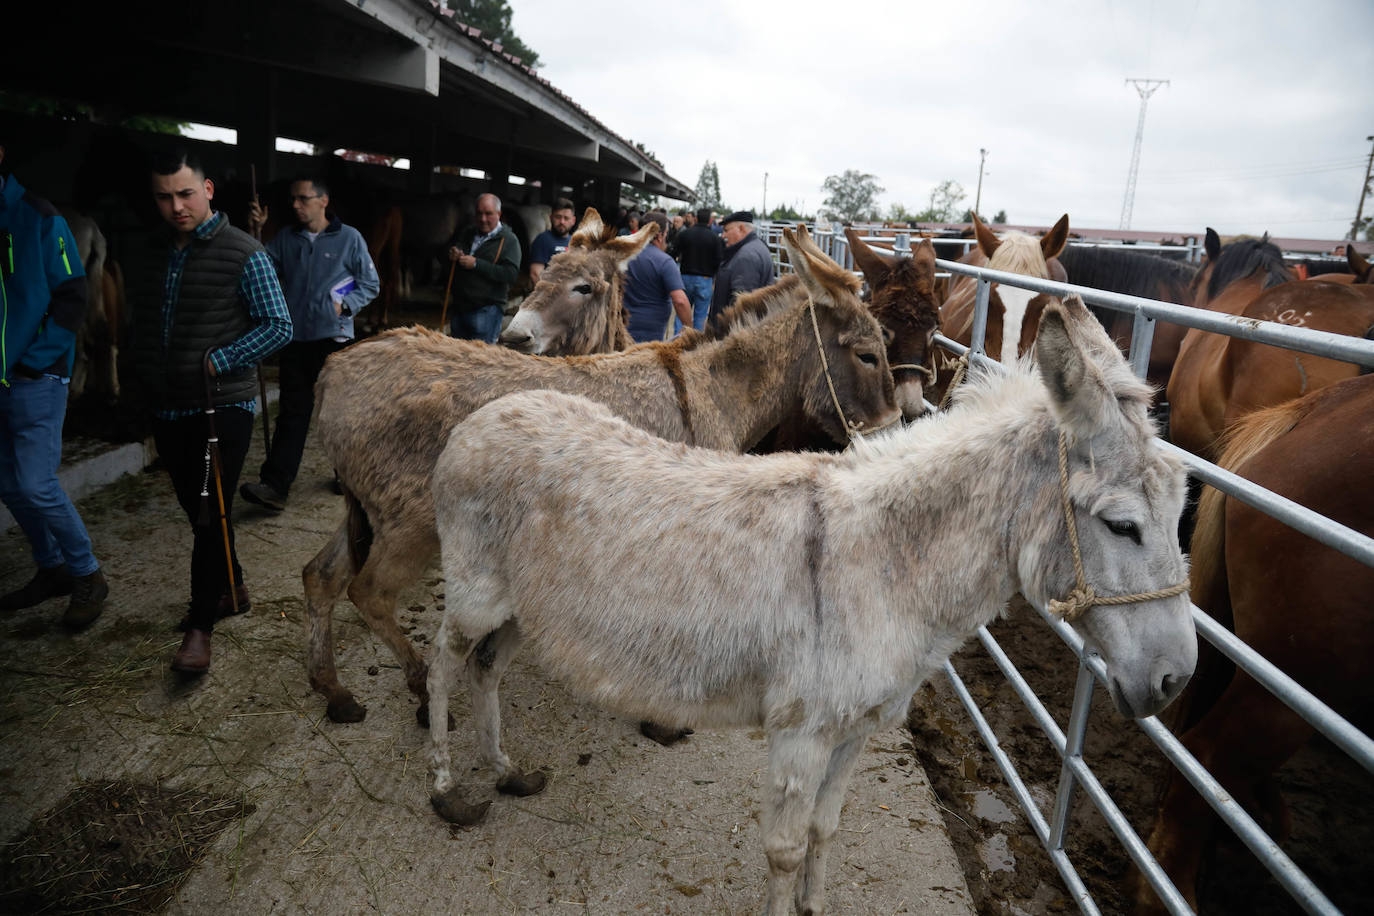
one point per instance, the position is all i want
(1261, 128)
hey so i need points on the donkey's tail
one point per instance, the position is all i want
(359, 531)
(1210, 588)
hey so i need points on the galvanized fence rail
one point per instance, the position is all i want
(1075, 773)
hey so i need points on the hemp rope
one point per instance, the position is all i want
(960, 370)
(1082, 597)
(851, 429)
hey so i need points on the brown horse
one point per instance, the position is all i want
(1013, 313)
(1302, 605)
(387, 405)
(1233, 275)
(1131, 273)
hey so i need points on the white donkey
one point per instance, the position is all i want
(824, 589)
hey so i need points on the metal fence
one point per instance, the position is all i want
(1075, 773)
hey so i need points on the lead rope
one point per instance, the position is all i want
(851, 429)
(960, 370)
(1082, 597)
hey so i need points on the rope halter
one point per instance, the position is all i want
(1082, 597)
(850, 429)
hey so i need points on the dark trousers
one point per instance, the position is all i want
(299, 363)
(181, 446)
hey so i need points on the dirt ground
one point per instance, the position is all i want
(126, 787)
(1331, 798)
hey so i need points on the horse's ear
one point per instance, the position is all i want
(1076, 386)
(625, 247)
(1055, 240)
(875, 266)
(1358, 265)
(986, 240)
(1212, 244)
(588, 232)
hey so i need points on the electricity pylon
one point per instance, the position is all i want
(1146, 88)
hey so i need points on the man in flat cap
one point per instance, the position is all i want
(747, 265)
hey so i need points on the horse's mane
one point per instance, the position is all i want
(1020, 253)
(1128, 272)
(1244, 257)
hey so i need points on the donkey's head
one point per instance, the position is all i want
(1125, 497)
(852, 366)
(901, 295)
(575, 308)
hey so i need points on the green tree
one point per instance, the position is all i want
(708, 186)
(493, 18)
(898, 213)
(786, 212)
(944, 202)
(1000, 217)
(852, 196)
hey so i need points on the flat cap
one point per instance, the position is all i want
(739, 216)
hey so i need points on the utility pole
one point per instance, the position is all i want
(978, 196)
(1146, 88)
(764, 214)
(1364, 189)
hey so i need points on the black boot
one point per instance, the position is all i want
(52, 582)
(88, 600)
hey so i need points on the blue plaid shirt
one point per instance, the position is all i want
(259, 288)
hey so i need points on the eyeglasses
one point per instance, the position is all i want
(304, 197)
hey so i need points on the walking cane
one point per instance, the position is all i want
(213, 467)
(262, 380)
(443, 315)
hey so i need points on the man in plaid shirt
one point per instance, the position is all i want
(199, 335)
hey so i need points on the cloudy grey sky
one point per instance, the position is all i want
(1262, 127)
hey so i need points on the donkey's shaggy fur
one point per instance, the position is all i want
(822, 590)
(387, 405)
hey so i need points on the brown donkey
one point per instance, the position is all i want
(387, 405)
(576, 307)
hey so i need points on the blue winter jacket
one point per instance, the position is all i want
(310, 271)
(42, 287)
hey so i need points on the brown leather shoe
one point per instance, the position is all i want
(88, 600)
(194, 655)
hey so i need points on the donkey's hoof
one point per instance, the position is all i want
(346, 709)
(663, 734)
(422, 717)
(451, 807)
(523, 784)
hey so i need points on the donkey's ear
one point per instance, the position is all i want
(986, 240)
(590, 231)
(923, 256)
(1077, 389)
(625, 247)
(821, 276)
(1055, 240)
(875, 266)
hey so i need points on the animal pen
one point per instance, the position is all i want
(1051, 828)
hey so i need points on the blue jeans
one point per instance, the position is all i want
(31, 414)
(698, 290)
(482, 323)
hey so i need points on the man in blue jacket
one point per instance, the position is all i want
(42, 305)
(327, 277)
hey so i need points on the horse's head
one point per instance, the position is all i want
(1013, 313)
(1125, 496)
(851, 364)
(1236, 261)
(902, 298)
(575, 308)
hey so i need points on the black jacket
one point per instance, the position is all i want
(699, 251)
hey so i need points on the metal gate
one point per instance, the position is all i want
(1075, 774)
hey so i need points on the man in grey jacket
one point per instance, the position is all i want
(327, 277)
(747, 263)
